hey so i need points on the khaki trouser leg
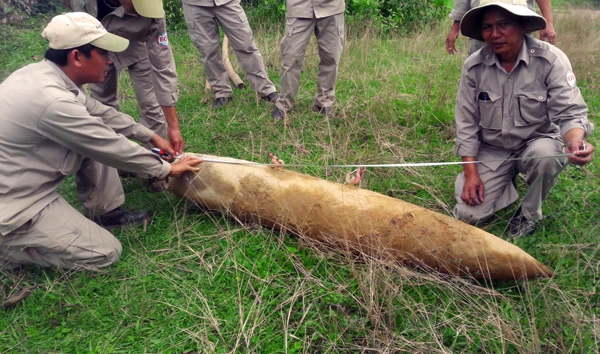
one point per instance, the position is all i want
(330, 38)
(89, 6)
(99, 188)
(293, 49)
(59, 236)
(150, 113)
(499, 192)
(474, 45)
(204, 33)
(106, 91)
(541, 174)
(233, 21)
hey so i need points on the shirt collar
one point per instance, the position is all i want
(524, 52)
(69, 84)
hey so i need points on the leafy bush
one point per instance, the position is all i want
(385, 15)
(395, 15)
(174, 14)
(265, 11)
(17, 11)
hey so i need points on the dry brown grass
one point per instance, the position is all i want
(577, 35)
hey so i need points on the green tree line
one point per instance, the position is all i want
(383, 16)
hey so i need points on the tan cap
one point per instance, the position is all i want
(470, 25)
(74, 29)
(149, 8)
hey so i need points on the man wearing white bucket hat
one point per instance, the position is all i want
(517, 98)
(51, 129)
(462, 6)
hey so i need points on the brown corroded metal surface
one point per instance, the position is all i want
(354, 218)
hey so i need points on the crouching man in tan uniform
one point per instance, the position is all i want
(203, 18)
(51, 129)
(324, 18)
(517, 98)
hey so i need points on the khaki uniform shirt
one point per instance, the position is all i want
(48, 126)
(147, 39)
(206, 3)
(314, 8)
(504, 111)
(462, 6)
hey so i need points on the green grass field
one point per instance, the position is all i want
(198, 282)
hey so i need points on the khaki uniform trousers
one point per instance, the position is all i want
(89, 6)
(474, 45)
(150, 113)
(60, 236)
(330, 40)
(202, 23)
(541, 175)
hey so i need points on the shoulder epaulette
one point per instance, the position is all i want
(476, 58)
(541, 49)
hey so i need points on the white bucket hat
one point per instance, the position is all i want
(74, 29)
(470, 25)
(149, 8)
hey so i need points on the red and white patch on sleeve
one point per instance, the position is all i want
(163, 40)
(571, 78)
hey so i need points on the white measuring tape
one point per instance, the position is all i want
(416, 164)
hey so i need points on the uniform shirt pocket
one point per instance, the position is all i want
(341, 31)
(129, 35)
(71, 163)
(83, 98)
(289, 27)
(490, 110)
(189, 19)
(243, 17)
(530, 107)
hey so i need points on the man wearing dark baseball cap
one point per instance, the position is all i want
(51, 129)
(518, 109)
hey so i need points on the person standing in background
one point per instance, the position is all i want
(148, 59)
(203, 18)
(324, 18)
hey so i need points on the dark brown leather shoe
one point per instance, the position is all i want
(119, 218)
(271, 98)
(519, 226)
(222, 101)
(326, 111)
(277, 114)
